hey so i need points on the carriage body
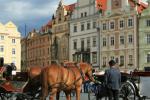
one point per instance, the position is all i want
(14, 88)
(143, 83)
(135, 85)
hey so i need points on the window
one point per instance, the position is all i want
(116, 59)
(104, 26)
(13, 51)
(81, 15)
(130, 22)
(112, 41)
(104, 60)
(2, 37)
(82, 44)
(130, 59)
(13, 41)
(88, 42)
(82, 27)
(104, 42)
(1, 48)
(75, 45)
(121, 60)
(94, 41)
(148, 38)
(94, 24)
(121, 23)
(148, 23)
(112, 25)
(88, 25)
(148, 58)
(130, 38)
(94, 57)
(75, 28)
(121, 40)
(112, 57)
(85, 14)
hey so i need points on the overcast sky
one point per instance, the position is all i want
(33, 13)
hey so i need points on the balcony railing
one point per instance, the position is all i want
(83, 50)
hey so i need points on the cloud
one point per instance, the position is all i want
(34, 13)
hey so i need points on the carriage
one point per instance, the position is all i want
(135, 86)
(22, 88)
(13, 89)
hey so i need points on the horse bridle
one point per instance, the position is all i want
(83, 75)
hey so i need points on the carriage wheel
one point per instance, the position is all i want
(127, 91)
(38, 94)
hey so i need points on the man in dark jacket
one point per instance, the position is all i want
(113, 81)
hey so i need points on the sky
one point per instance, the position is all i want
(32, 13)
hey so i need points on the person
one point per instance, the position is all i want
(13, 66)
(113, 80)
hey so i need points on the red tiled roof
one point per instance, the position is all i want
(101, 4)
(70, 7)
(48, 25)
(140, 5)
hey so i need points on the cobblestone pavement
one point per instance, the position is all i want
(84, 96)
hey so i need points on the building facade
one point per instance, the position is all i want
(38, 49)
(84, 38)
(60, 32)
(10, 46)
(144, 38)
(118, 32)
(24, 54)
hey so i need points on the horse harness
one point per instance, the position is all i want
(63, 84)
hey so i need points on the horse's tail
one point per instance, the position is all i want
(44, 84)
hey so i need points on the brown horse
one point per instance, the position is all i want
(57, 78)
(34, 79)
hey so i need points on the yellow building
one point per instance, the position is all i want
(10, 47)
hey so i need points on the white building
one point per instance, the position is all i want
(84, 37)
(10, 46)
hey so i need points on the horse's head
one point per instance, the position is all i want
(87, 70)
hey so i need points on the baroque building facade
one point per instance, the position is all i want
(38, 49)
(144, 38)
(10, 46)
(118, 32)
(60, 32)
(24, 54)
(84, 38)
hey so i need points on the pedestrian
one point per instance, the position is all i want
(113, 80)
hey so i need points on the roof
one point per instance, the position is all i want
(10, 24)
(140, 5)
(70, 7)
(101, 4)
(48, 25)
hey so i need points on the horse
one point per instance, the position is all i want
(34, 80)
(57, 78)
